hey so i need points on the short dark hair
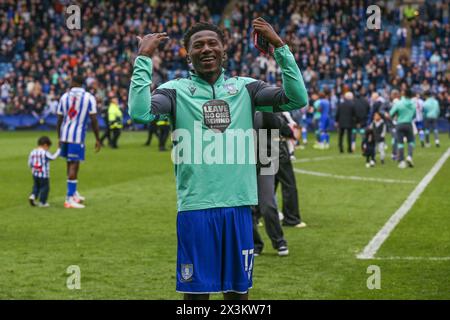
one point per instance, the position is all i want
(200, 26)
(44, 141)
(77, 79)
(408, 92)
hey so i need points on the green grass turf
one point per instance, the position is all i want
(125, 240)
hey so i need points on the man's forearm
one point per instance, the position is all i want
(293, 84)
(58, 127)
(95, 127)
(139, 99)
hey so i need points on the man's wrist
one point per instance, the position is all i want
(143, 54)
(279, 43)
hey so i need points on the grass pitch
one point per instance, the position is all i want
(125, 240)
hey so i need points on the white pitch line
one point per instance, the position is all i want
(335, 176)
(414, 258)
(323, 158)
(371, 249)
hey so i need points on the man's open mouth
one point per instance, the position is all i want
(208, 59)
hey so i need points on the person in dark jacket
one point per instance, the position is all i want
(345, 121)
(379, 128)
(267, 206)
(107, 134)
(362, 111)
(368, 147)
(286, 177)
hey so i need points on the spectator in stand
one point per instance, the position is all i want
(329, 40)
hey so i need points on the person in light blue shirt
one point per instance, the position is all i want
(431, 113)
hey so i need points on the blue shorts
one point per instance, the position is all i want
(323, 124)
(72, 151)
(419, 125)
(215, 250)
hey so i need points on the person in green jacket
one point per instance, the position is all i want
(212, 118)
(115, 121)
(405, 111)
(431, 112)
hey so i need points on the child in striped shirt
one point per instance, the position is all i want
(39, 162)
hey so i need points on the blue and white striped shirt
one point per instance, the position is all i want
(39, 162)
(75, 106)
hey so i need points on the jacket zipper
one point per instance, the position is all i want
(214, 92)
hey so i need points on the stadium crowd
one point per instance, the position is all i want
(332, 45)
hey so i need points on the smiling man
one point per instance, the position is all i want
(214, 223)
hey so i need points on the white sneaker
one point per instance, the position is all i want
(280, 215)
(372, 163)
(410, 162)
(402, 165)
(71, 203)
(78, 197)
(283, 251)
(437, 143)
(318, 145)
(32, 199)
(300, 225)
(43, 205)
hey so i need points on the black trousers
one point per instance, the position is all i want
(163, 134)
(115, 137)
(152, 130)
(267, 208)
(431, 125)
(404, 130)
(107, 134)
(370, 153)
(290, 208)
(41, 188)
(349, 139)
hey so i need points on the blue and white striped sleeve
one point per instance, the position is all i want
(53, 156)
(60, 109)
(30, 158)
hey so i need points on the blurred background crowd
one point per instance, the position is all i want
(330, 40)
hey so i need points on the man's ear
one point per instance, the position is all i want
(225, 50)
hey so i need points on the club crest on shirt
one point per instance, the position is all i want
(230, 88)
(187, 270)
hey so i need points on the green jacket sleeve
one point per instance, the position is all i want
(292, 95)
(144, 107)
(293, 84)
(393, 110)
(139, 96)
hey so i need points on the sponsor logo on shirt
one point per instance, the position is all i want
(216, 115)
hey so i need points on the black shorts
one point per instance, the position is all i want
(405, 130)
(431, 124)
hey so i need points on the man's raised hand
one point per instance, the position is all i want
(149, 43)
(263, 28)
